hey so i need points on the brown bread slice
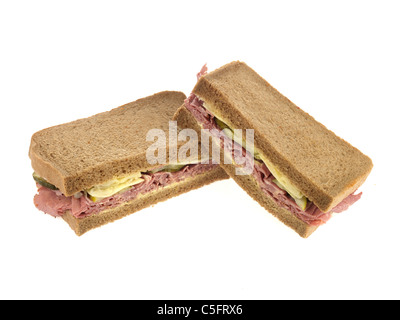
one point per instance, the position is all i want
(324, 167)
(81, 226)
(77, 155)
(247, 182)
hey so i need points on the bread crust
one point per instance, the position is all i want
(73, 157)
(248, 183)
(324, 167)
(83, 225)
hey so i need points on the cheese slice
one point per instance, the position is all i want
(115, 185)
(283, 182)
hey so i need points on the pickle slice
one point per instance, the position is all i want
(173, 167)
(43, 182)
(221, 124)
(169, 168)
(301, 202)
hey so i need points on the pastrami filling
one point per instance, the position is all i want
(53, 202)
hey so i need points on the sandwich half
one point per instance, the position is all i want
(96, 170)
(301, 172)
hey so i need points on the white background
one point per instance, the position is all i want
(337, 60)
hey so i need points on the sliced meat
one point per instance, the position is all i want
(53, 202)
(202, 72)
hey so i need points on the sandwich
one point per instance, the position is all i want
(301, 172)
(99, 169)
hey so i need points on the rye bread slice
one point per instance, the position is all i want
(77, 155)
(324, 167)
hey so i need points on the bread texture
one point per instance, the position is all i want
(247, 182)
(324, 167)
(82, 225)
(79, 154)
